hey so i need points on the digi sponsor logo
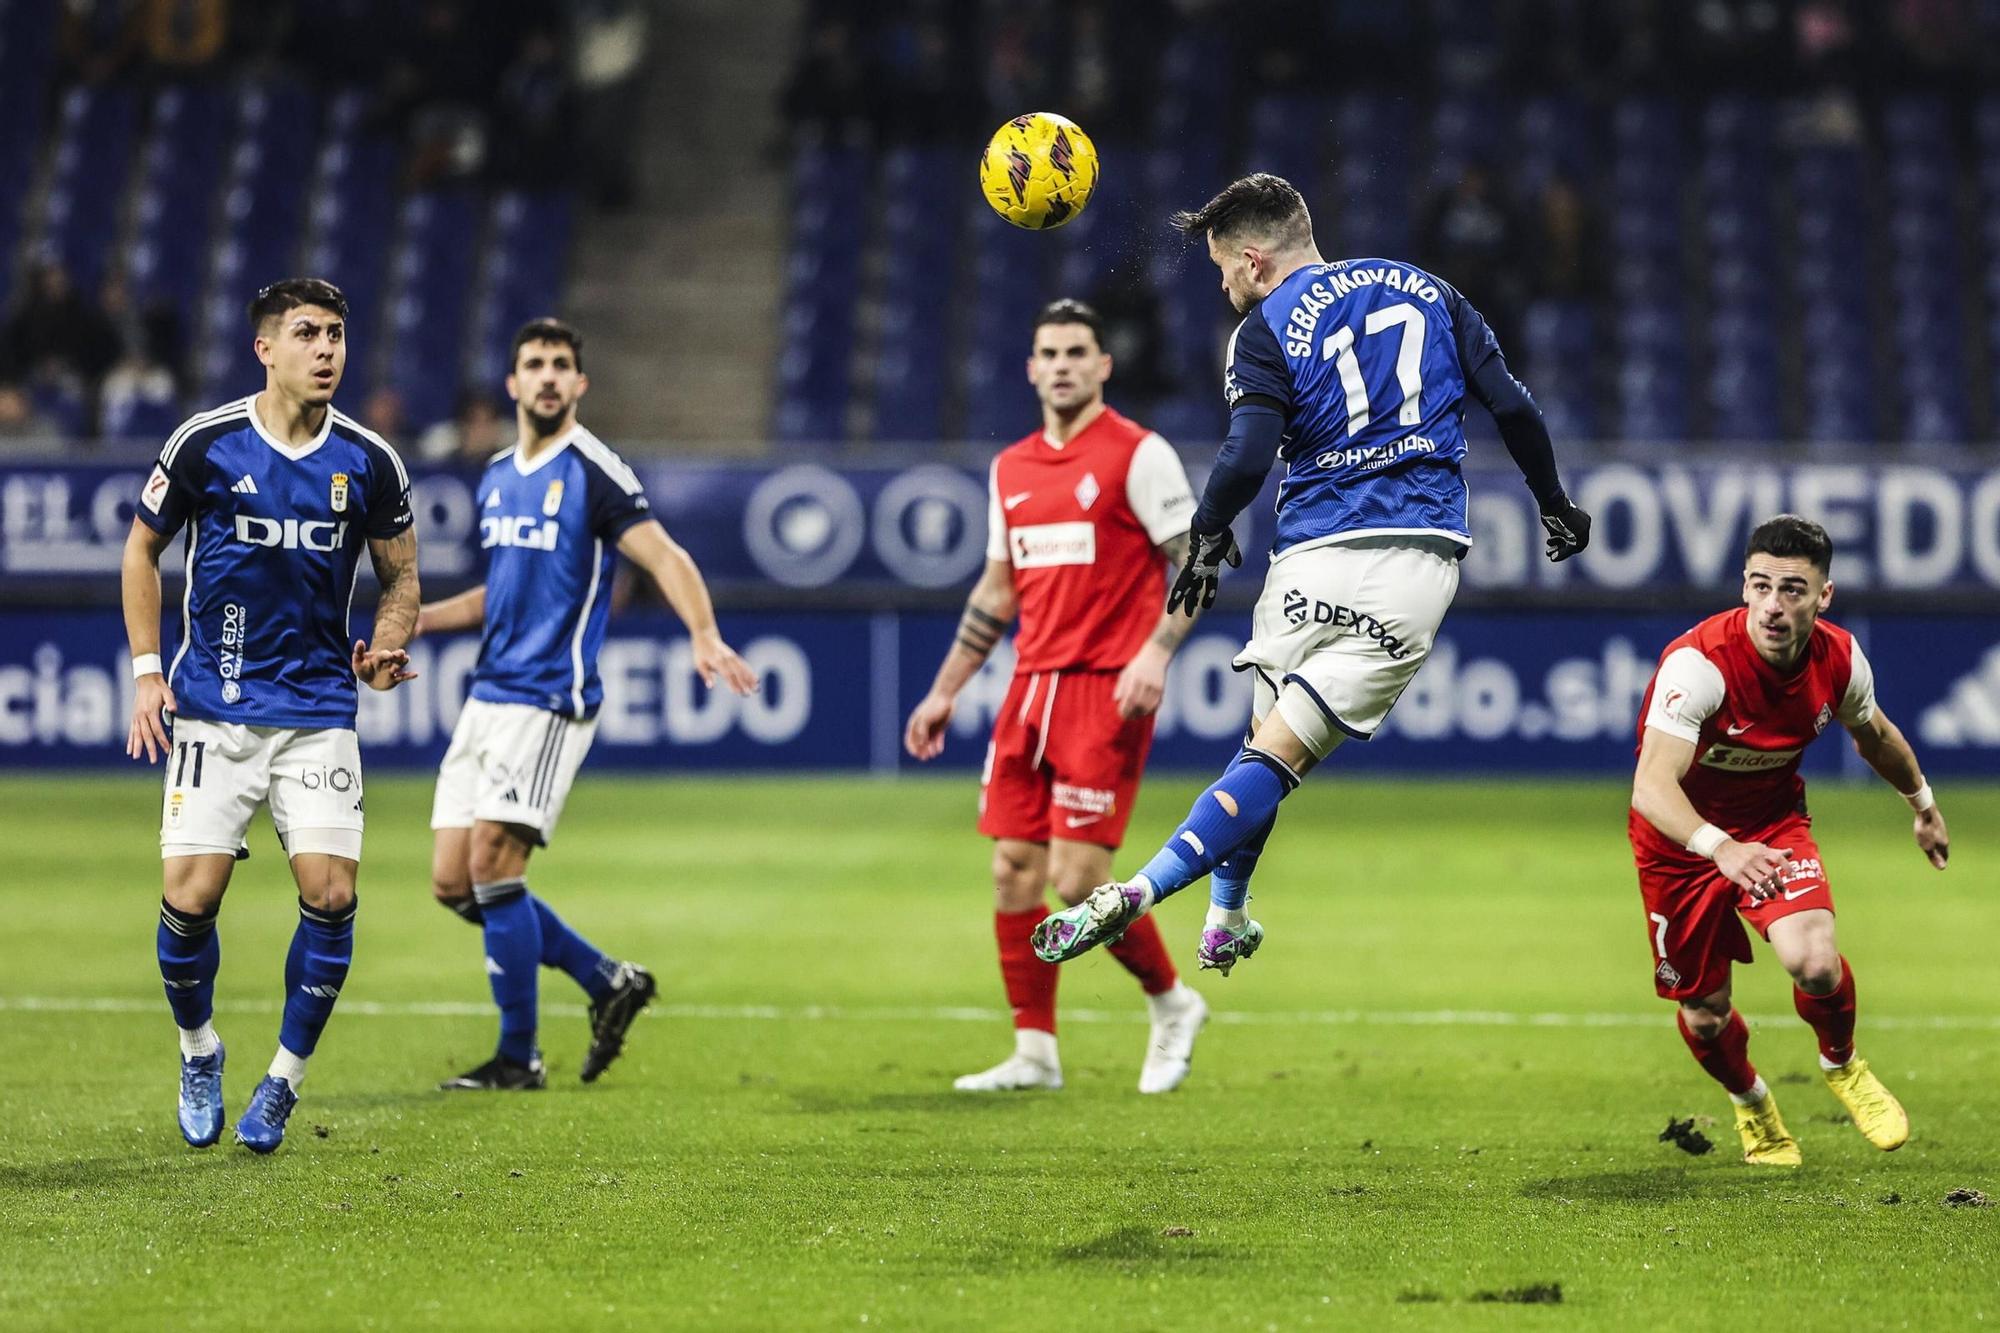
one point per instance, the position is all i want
(1301, 610)
(1048, 545)
(519, 530)
(291, 534)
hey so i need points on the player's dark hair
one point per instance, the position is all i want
(547, 329)
(1069, 310)
(290, 294)
(1260, 205)
(1792, 537)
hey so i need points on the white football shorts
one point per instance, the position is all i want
(1339, 631)
(511, 764)
(218, 773)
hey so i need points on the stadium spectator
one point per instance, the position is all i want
(608, 65)
(23, 430)
(827, 91)
(57, 333)
(471, 435)
(534, 120)
(383, 412)
(1470, 232)
(1567, 261)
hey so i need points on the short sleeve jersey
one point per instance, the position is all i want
(1368, 360)
(1749, 722)
(550, 530)
(1081, 523)
(274, 540)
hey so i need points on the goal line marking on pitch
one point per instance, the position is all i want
(974, 1014)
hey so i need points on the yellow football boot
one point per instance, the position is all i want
(1877, 1114)
(1766, 1141)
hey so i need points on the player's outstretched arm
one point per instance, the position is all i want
(1882, 743)
(465, 611)
(381, 662)
(679, 580)
(1657, 795)
(1143, 682)
(988, 612)
(139, 588)
(1522, 430)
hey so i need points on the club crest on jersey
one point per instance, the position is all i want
(339, 495)
(1825, 716)
(1088, 490)
(552, 498)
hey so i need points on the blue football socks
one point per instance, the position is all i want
(315, 970)
(513, 954)
(569, 952)
(190, 954)
(1238, 808)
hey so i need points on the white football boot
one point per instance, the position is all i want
(1178, 1016)
(1034, 1064)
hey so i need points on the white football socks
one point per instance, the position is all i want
(1757, 1093)
(1037, 1046)
(289, 1067)
(198, 1041)
(1229, 918)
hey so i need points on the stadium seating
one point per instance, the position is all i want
(195, 194)
(1744, 297)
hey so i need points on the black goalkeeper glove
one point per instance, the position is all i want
(1208, 552)
(1568, 528)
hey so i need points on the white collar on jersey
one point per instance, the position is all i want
(548, 455)
(292, 451)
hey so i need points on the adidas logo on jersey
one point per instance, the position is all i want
(1969, 715)
(291, 534)
(245, 485)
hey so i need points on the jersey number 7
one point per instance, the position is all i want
(1339, 348)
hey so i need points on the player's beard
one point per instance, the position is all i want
(545, 425)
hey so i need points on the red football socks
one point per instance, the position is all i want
(1030, 982)
(1144, 955)
(1831, 1017)
(1726, 1056)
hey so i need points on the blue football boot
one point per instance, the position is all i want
(201, 1098)
(262, 1127)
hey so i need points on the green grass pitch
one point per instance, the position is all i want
(1440, 1083)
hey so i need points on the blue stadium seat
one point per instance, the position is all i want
(430, 275)
(92, 160)
(178, 171)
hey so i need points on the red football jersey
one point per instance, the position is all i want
(1750, 723)
(1081, 523)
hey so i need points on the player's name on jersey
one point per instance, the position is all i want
(1323, 292)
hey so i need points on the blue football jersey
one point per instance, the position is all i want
(274, 541)
(1368, 359)
(550, 529)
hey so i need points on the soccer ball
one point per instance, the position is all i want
(1039, 170)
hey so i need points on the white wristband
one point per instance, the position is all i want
(1921, 799)
(145, 664)
(1705, 840)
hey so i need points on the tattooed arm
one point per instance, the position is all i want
(381, 664)
(988, 612)
(1144, 679)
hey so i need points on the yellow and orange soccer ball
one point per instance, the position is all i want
(1039, 170)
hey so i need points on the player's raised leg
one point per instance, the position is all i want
(1823, 995)
(1236, 809)
(1020, 877)
(190, 954)
(1177, 1011)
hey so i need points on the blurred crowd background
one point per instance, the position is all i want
(1727, 221)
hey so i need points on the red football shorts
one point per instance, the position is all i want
(1694, 916)
(1062, 763)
